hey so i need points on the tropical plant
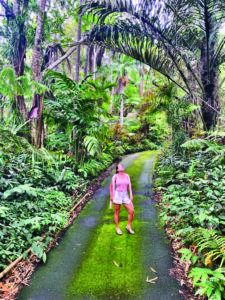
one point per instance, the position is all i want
(185, 38)
(209, 282)
(78, 110)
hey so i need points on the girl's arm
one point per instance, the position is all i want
(113, 186)
(130, 189)
(111, 191)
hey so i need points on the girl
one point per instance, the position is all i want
(118, 194)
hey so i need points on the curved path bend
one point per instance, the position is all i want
(92, 262)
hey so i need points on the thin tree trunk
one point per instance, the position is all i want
(78, 47)
(86, 61)
(19, 52)
(38, 102)
(142, 86)
(94, 64)
(111, 101)
(40, 124)
(112, 94)
(36, 60)
(1, 109)
(121, 111)
(91, 54)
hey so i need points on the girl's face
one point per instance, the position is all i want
(120, 168)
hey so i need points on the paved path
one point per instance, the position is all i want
(92, 262)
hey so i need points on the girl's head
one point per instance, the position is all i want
(120, 168)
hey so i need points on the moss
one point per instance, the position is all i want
(112, 264)
(136, 168)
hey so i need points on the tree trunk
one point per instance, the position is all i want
(78, 47)
(209, 76)
(36, 60)
(90, 58)
(210, 107)
(112, 94)
(99, 56)
(141, 88)
(86, 62)
(111, 101)
(94, 64)
(19, 52)
(1, 108)
(38, 104)
(121, 111)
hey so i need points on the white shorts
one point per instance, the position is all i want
(121, 198)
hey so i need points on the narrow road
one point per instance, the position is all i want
(93, 262)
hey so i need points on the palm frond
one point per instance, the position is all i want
(63, 81)
(139, 46)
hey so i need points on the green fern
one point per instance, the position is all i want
(188, 255)
(19, 190)
(92, 145)
(11, 85)
(3, 210)
(64, 83)
(211, 243)
(196, 144)
(219, 151)
(9, 140)
(209, 282)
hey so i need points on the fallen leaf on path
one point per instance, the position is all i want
(153, 270)
(115, 263)
(78, 244)
(151, 280)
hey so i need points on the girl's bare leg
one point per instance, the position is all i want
(116, 215)
(130, 210)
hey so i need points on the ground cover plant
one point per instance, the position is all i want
(193, 206)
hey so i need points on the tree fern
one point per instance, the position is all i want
(195, 144)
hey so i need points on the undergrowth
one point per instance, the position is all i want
(193, 206)
(38, 188)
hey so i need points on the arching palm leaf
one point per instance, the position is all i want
(169, 36)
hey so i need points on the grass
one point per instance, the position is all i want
(112, 266)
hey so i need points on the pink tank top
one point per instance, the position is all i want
(121, 183)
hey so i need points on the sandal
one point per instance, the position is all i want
(118, 231)
(130, 230)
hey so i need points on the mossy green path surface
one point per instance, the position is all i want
(93, 262)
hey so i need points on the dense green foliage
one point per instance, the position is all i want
(37, 188)
(193, 200)
(163, 88)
